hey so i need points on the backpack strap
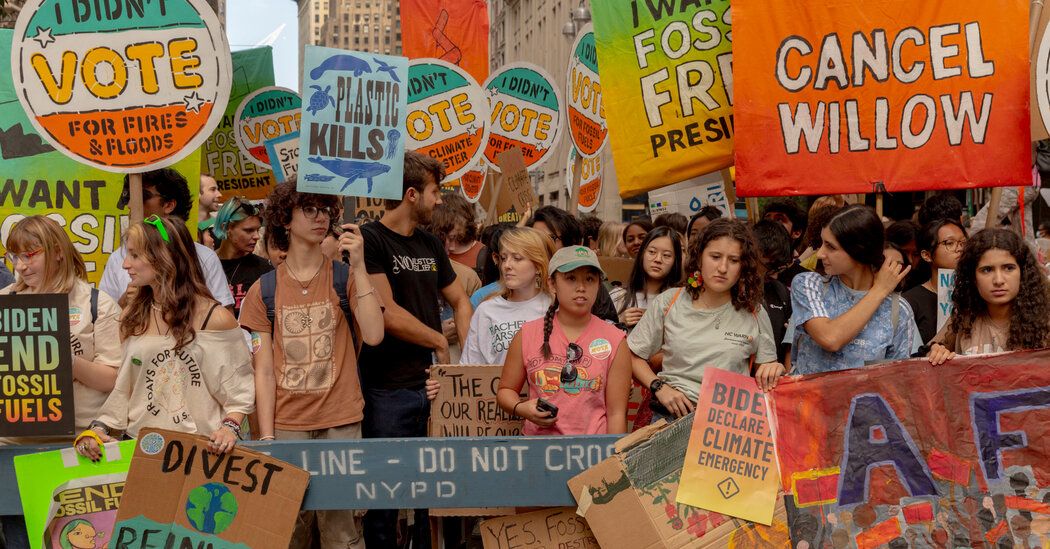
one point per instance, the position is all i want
(479, 263)
(340, 278)
(673, 299)
(268, 289)
(94, 305)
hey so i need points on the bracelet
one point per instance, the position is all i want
(88, 434)
(232, 425)
(267, 437)
(372, 291)
(514, 410)
(98, 427)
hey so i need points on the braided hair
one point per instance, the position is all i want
(548, 327)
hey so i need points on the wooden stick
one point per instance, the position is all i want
(494, 198)
(135, 197)
(577, 177)
(730, 188)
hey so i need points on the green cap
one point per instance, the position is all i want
(572, 258)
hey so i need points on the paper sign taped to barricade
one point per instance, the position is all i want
(546, 528)
(180, 495)
(466, 402)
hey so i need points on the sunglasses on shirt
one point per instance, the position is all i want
(573, 354)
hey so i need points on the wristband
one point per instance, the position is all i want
(372, 291)
(99, 427)
(88, 434)
(233, 425)
(514, 410)
(267, 437)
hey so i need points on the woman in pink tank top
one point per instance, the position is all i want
(576, 368)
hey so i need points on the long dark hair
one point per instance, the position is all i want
(860, 235)
(638, 276)
(1030, 313)
(747, 292)
(927, 242)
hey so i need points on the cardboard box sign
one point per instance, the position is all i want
(555, 527)
(466, 403)
(617, 269)
(178, 495)
(640, 481)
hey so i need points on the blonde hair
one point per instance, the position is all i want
(609, 237)
(535, 246)
(63, 264)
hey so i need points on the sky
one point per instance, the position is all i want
(251, 23)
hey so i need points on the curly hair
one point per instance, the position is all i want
(277, 214)
(747, 291)
(1030, 314)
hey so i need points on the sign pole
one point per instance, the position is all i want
(730, 189)
(135, 197)
(577, 177)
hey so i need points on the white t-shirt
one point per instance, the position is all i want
(115, 279)
(495, 323)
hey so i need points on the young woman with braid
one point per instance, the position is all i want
(570, 358)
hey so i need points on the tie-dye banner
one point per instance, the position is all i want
(454, 31)
(913, 455)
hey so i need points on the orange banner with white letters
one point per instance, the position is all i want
(456, 31)
(845, 96)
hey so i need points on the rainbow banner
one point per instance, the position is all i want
(670, 104)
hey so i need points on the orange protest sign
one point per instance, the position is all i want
(837, 97)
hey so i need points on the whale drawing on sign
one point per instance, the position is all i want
(351, 170)
(389, 69)
(342, 62)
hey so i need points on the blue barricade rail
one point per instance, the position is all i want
(413, 473)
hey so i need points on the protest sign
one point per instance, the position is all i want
(455, 32)
(351, 142)
(283, 153)
(515, 194)
(688, 197)
(124, 86)
(585, 110)
(591, 173)
(370, 208)
(945, 286)
(36, 366)
(447, 115)
(730, 466)
(235, 173)
(526, 110)
(466, 402)
(68, 499)
(183, 496)
(617, 269)
(472, 184)
(1040, 90)
(559, 527)
(674, 66)
(271, 114)
(861, 96)
(904, 454)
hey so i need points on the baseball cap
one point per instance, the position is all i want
(573, 257)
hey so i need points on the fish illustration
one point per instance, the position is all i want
(549, 381)
(389, 69)
(392, 137)
(352, 170)
(319, 177)
(342, 62)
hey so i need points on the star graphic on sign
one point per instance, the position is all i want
(472, 129)
(193, 102)
(494, 92)
(44, 36)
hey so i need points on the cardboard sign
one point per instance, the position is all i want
(730, 466)
(515, 190)
(36, 366)
(466, 404)
(559, 527)
(945, 287)
(617, 269)
(592, 173)
(472, 184)
(454, 32)
(586, 112)
(629, 499)
(123, 86)
(670, 104)
(180, 495)
(526, 110)
(854, 90)
(911, 447)
(370, 208)
(267, 115)
(67, 500)
(447, 115)
(351, 142)
(283, 153)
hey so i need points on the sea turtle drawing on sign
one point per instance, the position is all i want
(351, 141)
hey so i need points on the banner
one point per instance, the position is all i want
(526, 111)
(910, 454)
(670, 104)
(234, 171)
(36, 366)
(454, 31)
(351, 142)
(448, 116)
(124, 87)
(1040, 91)
(67, 500)
(850, 96)
(583, 94)
(264, 119)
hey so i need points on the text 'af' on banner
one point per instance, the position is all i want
(268, 123)
(526, 109)
(842, 97)
(127, 87)
(36, 366)
(178, 494)
(351, 142)
(70, 502)
(448, 116)
(670, 104)
(880, 455)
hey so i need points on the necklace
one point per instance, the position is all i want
(718, 317)
(305, 287)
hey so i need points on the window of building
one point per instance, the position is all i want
(357, 28)
(357, 40)
(386, 40)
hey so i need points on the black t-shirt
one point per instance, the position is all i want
(787, 275)
(924, 304)
(241, 273)
(417, 268)
(778, 307)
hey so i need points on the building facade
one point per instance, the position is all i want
(358, 25)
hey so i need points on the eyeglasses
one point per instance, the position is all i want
(249, 209)
(311, 212)
(158, 224)
(24, 257)
(572, 355)
(952, 244)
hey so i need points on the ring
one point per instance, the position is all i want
(82, 447)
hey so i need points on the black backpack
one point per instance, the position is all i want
(340, 277)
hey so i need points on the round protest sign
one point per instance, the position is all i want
(590, 179)
(471, 184)
(125, 86)
(269, 115)
(448, 115)
(586, 112)
(526, 113)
